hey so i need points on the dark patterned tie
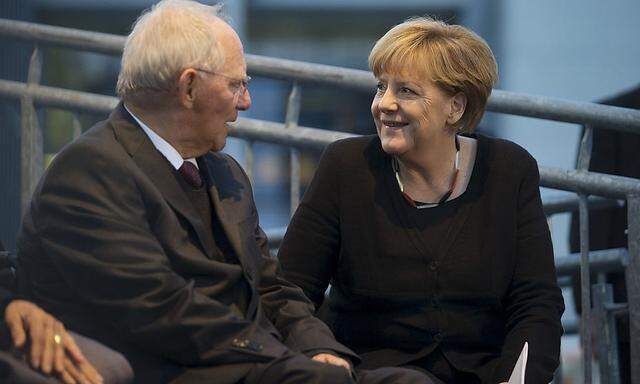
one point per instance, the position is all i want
(191, 174)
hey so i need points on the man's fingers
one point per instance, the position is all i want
(14, 322)
(74, 351)
(77, 357)
(66, 378)
(36, 330)
(91, 373)
(58, 358)
(48, 351)
(74, 372)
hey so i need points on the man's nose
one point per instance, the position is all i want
(244, 102)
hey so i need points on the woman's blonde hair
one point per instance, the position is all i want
(171, 36)
(453, 57)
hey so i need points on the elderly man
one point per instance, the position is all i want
(144, 237)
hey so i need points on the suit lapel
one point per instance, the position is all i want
(159, 171)
(216, 174)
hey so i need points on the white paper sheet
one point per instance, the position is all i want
(517, 375)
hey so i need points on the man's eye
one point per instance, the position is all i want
(235, 85)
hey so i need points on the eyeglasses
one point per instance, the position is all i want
(239, 86)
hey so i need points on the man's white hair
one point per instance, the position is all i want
(171, 36)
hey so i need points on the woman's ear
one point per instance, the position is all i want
(458, 106)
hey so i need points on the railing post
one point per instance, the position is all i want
(248, 159)
(77, 127)
(31, 148)
(585, 290)
(607, 344)
(633, 283)
(291, 122)
(584, 158)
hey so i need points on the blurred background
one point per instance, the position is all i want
(584, 50)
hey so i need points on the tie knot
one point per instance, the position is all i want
(191, 174)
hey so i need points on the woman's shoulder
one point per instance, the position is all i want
(353, 144)
(353, 150)
(505, 154)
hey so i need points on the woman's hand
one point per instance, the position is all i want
(333, 360)
(51, 349)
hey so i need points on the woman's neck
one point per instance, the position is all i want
(430, 166)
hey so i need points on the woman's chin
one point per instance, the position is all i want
(394, 147)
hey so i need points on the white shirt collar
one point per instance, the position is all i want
(166, 149)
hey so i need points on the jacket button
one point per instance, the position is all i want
(438, 337)
(435, 302)
(240, 343)
(255, 346)
(433, 265)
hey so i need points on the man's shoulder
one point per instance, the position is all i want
(98, 141)
(91, 160)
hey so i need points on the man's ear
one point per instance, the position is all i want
(186, 87)
(458, 106)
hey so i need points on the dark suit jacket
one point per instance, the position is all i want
(486, 286)
(6, 279)
(112, 246)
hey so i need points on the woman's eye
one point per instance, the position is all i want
(407, 91)
(381, 87)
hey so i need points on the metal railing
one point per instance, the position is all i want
(612, 190)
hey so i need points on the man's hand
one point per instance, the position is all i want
(51, 349)
(333, 360)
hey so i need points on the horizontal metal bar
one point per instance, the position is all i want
(58, 97)
(591, 183)
(571, 327)
(304, 72)
(244, 128)
(601, 116)
(617, 309)
(552, 206)
(615, 259)
(598, 115)
(310, 138)
(270, 132)
(63, 37)
(565, 281)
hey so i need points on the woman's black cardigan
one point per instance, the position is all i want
(488, 286)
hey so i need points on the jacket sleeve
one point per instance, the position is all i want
(288, 308)
(93, 224)
(534, 303)
(310, 248)
(6, 273)
(6, 297)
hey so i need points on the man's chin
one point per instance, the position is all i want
(219, 145)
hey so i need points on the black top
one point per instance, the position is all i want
(485, 285)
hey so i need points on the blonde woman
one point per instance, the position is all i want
(433, 238)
